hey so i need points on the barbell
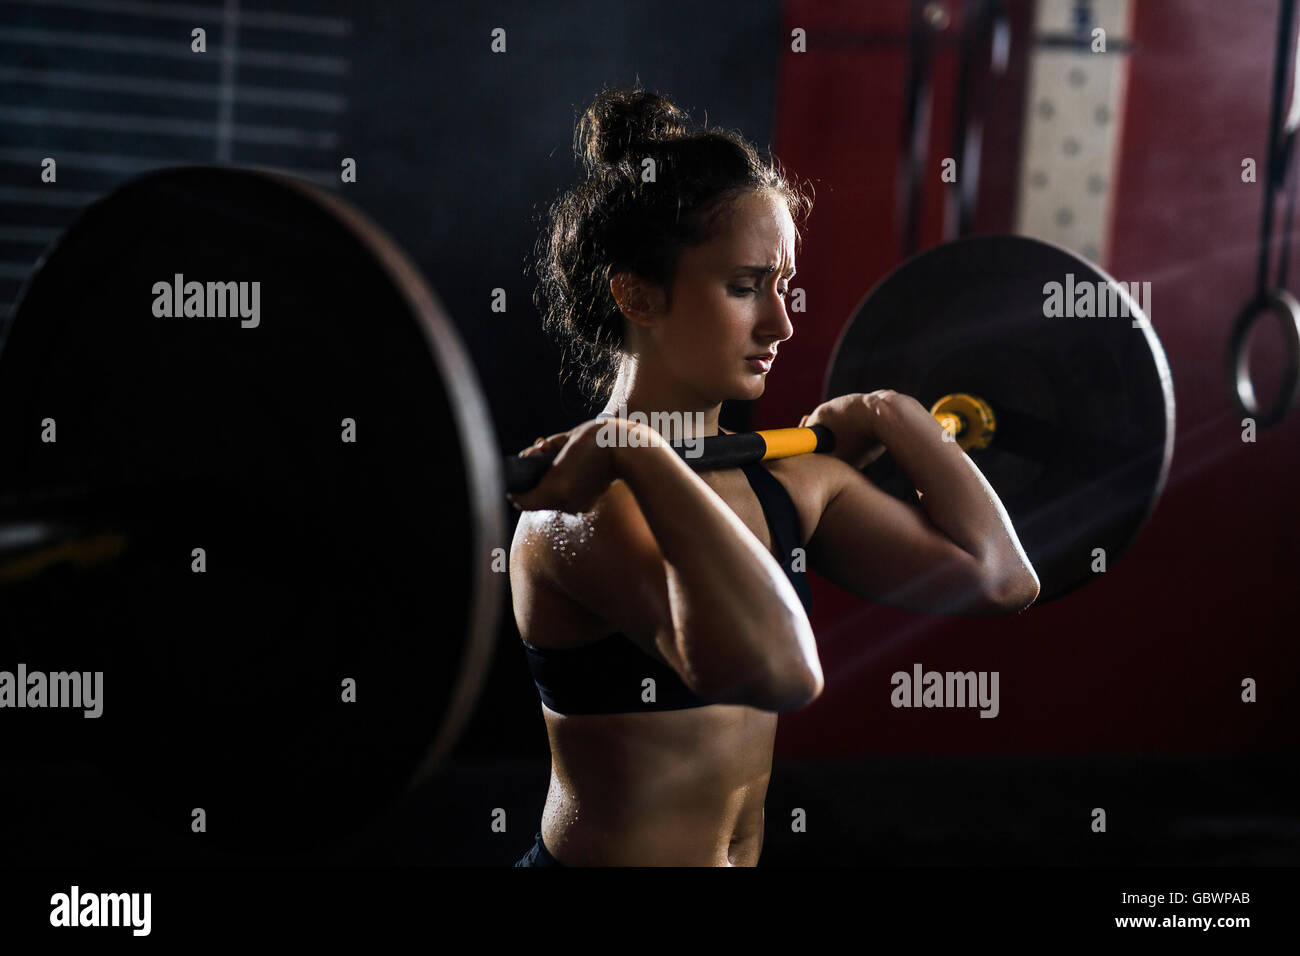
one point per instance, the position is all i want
(1069, 417)
(232, 372)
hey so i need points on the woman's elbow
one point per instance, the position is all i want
(1013, 593)
(789, 686)
(782, 687)
(799, 694)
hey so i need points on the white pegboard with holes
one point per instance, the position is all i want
(1074, 101)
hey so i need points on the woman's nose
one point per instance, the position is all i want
(776, 321)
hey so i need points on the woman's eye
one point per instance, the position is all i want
(737, 290)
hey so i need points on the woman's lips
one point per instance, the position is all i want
(759, 364)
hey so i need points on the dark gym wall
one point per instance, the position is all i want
(1135, 662)
(470, 147)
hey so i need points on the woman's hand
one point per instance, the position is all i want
(852, 419)
(585, 464)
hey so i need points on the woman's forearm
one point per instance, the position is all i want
(957, 498)
(740, 626)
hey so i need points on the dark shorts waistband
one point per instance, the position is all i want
(538, 855)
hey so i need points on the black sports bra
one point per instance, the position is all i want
(606, 676)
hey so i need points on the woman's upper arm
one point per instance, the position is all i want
(607, 562)
(885, 550)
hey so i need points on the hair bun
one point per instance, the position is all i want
(620, 120)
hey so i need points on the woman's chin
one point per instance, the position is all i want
(745, 388)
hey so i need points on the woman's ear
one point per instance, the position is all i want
(640, 301)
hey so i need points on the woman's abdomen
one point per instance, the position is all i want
(673, 788)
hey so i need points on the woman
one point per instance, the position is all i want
(664, 612)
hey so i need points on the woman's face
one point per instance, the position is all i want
(728, 303)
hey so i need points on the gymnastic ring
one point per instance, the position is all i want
(1282, 304)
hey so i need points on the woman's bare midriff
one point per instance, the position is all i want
(673, 788)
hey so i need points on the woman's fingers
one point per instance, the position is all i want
(581, 468)
(543, 445)
(542, 442)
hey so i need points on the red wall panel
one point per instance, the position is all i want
(1149, 657)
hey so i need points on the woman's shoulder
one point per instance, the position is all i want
(811, 481)
(556, 544)
(575, 577)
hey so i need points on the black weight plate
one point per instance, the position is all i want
(1084, 405)
(326, 560)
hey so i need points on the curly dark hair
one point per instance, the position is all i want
(613, 221)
